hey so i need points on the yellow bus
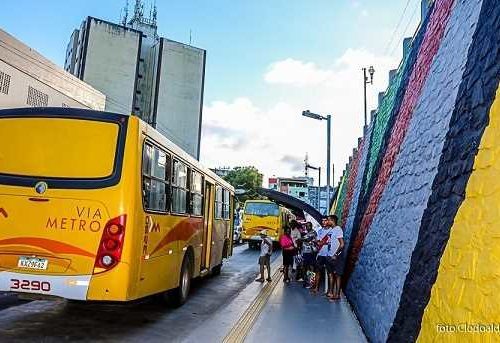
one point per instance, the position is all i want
(261, 215)
(101, 206)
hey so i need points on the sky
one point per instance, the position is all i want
(267, 61)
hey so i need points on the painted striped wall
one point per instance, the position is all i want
(418, 188)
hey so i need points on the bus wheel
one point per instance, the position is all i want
(180, 294)
(216, 270)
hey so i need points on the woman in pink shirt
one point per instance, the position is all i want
(288, 251)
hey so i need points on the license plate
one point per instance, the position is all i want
(32, 263)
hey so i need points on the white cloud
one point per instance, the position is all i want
(297, 73)
(364, 13)
(276, 138)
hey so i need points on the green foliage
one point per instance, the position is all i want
(247, 179)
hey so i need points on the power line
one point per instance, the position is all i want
(397, 27)
(406, 28)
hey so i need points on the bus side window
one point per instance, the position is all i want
(196, 201)
(225, 206)
(218, 202)
(179, 187)
(155, 166)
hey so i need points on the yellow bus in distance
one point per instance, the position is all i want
(261, 215)
(101, 206)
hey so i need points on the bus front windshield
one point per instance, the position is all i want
(262, 209)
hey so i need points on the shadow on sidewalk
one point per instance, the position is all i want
(292, 314)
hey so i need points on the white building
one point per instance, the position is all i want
(140, 73)
(29, 79)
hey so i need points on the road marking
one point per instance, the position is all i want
(245, 323)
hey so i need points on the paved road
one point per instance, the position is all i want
(54, 321)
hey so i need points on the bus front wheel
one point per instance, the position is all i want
(180, 294)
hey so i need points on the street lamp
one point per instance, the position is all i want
(308, 166)
(366, 81)
(328, 119)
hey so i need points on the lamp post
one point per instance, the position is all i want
(328, 119)
(366, 81)
(308, 166)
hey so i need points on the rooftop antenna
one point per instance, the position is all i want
(138, 10)
(125, 15)
(306, 163)
(190, 36)
(155, 12)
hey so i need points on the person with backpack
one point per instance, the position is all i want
(309, 251)
(266, 250)
(288, 251)
(296, 235)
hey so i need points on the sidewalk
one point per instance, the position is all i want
(292, 314)
(279, 312)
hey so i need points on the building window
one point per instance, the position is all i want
(179, 187)
(218, 202)
(37, 98)
(4, 82)
(155, 170)
(196, 194)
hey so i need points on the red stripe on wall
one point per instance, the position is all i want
(351, 183)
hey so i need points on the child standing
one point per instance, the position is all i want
(266, 249)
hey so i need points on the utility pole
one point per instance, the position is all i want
(366, 81)
(328, 119)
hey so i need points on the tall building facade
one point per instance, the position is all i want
(27, 79)
(157, 79)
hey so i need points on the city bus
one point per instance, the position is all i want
(261, 215)
(101, 206)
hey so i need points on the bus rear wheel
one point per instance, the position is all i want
(179, 295)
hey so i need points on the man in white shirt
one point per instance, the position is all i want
(322, 240)
(334, 264)
(266, 249)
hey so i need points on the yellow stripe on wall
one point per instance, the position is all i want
(465, 300)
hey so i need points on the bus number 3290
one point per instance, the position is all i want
(28, 285)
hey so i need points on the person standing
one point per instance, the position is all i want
(266, 249)
(288, 251)
(309, 253)
(335, 253)
(323, 239)
(296, 237)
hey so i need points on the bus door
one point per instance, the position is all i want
(208, 216)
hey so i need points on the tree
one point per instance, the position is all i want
(246, 179)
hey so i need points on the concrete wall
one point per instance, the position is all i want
(29, 79)
(421, 158)
(180, 94)
(110, 62)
